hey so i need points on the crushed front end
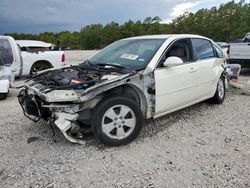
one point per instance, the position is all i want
(65, 97)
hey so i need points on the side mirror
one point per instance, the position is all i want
(173, 61)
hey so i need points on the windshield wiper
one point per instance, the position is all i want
(106, 67)
(87, 62)
(115, 65)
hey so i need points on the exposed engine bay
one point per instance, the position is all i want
(74, 77)
(66, 96)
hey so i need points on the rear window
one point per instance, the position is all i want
(203, 49)
(6, 55)
(34, 49)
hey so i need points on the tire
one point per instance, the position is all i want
(219, 95)
(40, 66)
(117, 121)
(3, 96)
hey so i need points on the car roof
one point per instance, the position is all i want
(6, 37)
(167, 36)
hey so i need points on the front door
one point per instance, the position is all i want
(176, 86)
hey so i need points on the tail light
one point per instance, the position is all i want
(63, 58)
(228, 50)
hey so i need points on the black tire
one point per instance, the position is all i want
(219, 95)
(104, 107)
(40, 66)
(3, 96)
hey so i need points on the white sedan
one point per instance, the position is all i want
(130, 80)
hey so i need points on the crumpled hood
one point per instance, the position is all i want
(73, 83)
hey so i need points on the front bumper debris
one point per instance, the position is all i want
(67, 124)
(34, 109)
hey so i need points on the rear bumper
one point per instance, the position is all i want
(242, 62)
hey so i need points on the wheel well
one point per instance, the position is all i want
(124, 90)
(44, 62)
(131, 92)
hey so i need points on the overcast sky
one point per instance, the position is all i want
(35, 16)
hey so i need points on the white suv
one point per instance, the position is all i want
(130, 80)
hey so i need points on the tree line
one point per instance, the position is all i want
(227, 22)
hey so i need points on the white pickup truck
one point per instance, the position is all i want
(10, 63)
(37, 56)
(239, 51)
(24, 57)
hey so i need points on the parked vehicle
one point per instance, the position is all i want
(37, 56)
(130, 80)
(225, 48)
(10, 62)
(240, 52)
(6, 80)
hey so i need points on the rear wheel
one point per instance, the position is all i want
(40, 66)
(117, 121)
(219, 95)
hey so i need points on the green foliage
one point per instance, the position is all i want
(91, 36)
(48, 37)
(228, 22)
(150, 20)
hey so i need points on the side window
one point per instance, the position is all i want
(179, 49)
(6, 52)
(203, 49)
(219, 52)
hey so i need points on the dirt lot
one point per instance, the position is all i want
(78, 56)
(201, 146)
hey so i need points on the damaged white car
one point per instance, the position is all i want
(130, 80)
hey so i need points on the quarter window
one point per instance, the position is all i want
(219, 52)
(6, 52)
(203, 49)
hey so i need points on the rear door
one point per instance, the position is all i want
(206, 58)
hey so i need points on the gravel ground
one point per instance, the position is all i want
(78, 56)
(201, 146)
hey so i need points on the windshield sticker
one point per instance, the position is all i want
(129, 56)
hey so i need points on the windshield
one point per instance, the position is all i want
(132, 54)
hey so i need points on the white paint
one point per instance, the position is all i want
(4, 86)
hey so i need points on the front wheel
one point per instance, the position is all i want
(3, 96)
(219, 95)
(117, 121)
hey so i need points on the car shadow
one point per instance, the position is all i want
(155, 126)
